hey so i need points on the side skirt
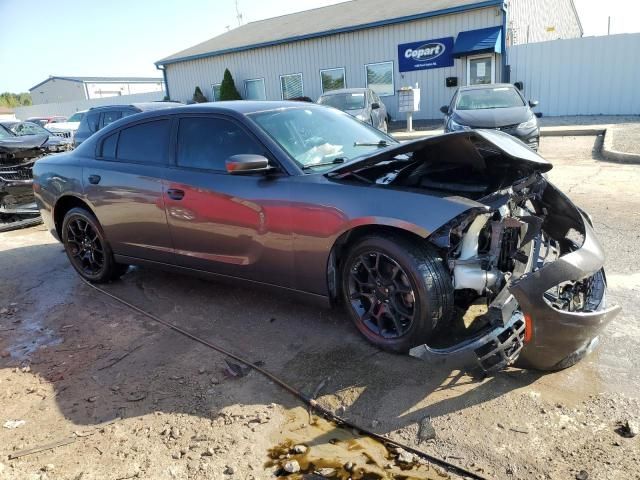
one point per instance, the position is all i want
(313, 298)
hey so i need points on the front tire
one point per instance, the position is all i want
(87, 249)
(396, 291)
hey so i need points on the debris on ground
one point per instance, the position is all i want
(11, 424)
(628, 428)
(426, 430)
(291, 466)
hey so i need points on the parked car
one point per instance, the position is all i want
(53, 144)
(66, 129)
(99, 117)
(362, 103)
(17, 155)
(307, 199)
(496, 106)
(42, 121)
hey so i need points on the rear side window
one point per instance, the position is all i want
(110, 117)
(207, 142)
(108, 149)
(145, 142)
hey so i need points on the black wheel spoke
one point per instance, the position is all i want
(380, 294)
(85, 246)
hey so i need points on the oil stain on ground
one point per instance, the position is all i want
(329, 451)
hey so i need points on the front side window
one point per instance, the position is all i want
(208, 142)
(254, 89)
(110, 117)
(332, 79)
(483, 98)
(93, 120)
(215, 92)
(380, 78)
(291, 86)
(145, 142)
(320, 138)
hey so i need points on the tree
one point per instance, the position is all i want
(198, 96)
(11, 100)
(228, 90)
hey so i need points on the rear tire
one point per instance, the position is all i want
(396, 291)
(87, 249)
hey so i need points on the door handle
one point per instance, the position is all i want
(94, 179)
(175, 194)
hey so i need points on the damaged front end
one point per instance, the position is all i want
(17, 203)
(532, 260)
(525, 265)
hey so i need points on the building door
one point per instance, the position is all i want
(481, 69)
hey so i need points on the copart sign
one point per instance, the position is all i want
(426, 54)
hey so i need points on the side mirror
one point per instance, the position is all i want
(246, 163)
(375, 106)
(519, 85)
(444, 109)
(533, 103)
(538, 114)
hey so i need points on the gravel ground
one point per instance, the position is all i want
(626, 137)
(129, 399)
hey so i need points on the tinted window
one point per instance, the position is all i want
(110, 117)
(146, 142)
(483, 98)
(108, 149)
(92, 121)
(208, 142)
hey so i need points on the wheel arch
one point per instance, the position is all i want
(63, 205)
(350, 237)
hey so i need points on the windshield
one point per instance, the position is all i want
(4, 133)
(76, 117)
(314, 136)
(28, 128)
(479, 99)
(344, 101)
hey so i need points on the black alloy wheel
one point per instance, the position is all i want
(396, 290)
(87, 248)
(381, 294)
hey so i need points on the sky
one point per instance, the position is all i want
(126, 37)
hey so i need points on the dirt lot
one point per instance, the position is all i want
(134, 400)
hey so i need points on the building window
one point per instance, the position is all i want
(291, 86)
(254, 89)
(481, 69)
(380, 78)
(332, 79)
(215, 92)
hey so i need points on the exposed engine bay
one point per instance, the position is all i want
(17, 203)
(524, 260)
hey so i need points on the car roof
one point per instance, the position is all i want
(141, 106)
(241, 107)
(346, 90)
(485, 86)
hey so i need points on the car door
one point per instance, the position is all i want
(124, 185)
(234, 225)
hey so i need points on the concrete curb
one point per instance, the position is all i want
(614, 155)
(569, 131)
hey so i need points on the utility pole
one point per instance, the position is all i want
(238, 14)
(609, 25)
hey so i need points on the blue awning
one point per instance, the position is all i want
(485, 40)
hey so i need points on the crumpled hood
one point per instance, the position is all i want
(17, 144)
(469, 147)
(492, 117)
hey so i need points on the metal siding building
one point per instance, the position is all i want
(66, 89)
(340, 37)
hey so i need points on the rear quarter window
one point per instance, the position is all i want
(144, 143)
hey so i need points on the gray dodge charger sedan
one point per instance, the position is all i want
(454, 247)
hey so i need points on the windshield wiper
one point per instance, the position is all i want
(335, 161)
(380, 144)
